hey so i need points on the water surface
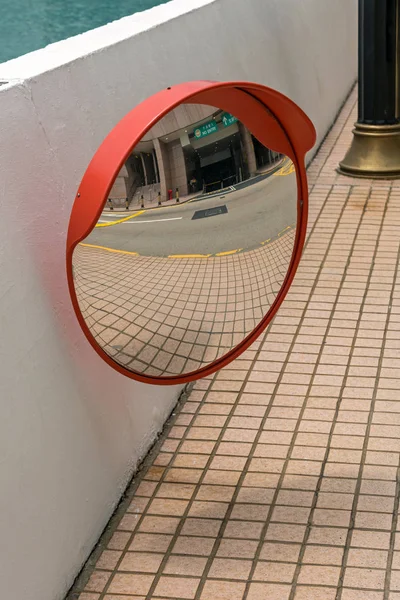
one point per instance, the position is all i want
(26, 25)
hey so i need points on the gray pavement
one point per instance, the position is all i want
(255, 213)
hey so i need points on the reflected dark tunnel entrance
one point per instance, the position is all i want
(218, 165)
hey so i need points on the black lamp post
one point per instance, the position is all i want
(375, 150)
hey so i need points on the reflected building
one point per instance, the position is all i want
(195, 149)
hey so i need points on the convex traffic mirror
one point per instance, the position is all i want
(188, 227)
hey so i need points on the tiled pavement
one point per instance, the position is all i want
(278, 477)
(161, 316)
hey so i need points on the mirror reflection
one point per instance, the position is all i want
(192, 247)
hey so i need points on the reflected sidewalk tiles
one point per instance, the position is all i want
(161, 316)
(278, 477)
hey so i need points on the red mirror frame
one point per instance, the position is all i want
(271, 117)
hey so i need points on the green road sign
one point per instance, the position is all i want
(228, 119)
(206, 129)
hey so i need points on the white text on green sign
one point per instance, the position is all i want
(206, 129)
(228, 119)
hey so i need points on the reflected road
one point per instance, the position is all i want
(254, 214)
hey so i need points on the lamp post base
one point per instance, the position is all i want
(374, 152)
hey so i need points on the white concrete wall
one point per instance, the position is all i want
(71, 429)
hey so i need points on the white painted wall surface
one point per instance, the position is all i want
(71, 429)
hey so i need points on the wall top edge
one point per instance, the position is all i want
(66, 51)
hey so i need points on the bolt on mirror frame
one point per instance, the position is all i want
(268, 114)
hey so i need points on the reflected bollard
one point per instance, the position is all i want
(126, 204)
(142, 201)
(177, 194)
(159, 198)
(110, 204)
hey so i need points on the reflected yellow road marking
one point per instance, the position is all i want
(283, 230)
(287, 169)
(120, 220)
(229, 252)
(176, 205)
(219, 254)
(110, 249)
(163, 206)
(189, 255)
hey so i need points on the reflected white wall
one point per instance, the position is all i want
(71, 429)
